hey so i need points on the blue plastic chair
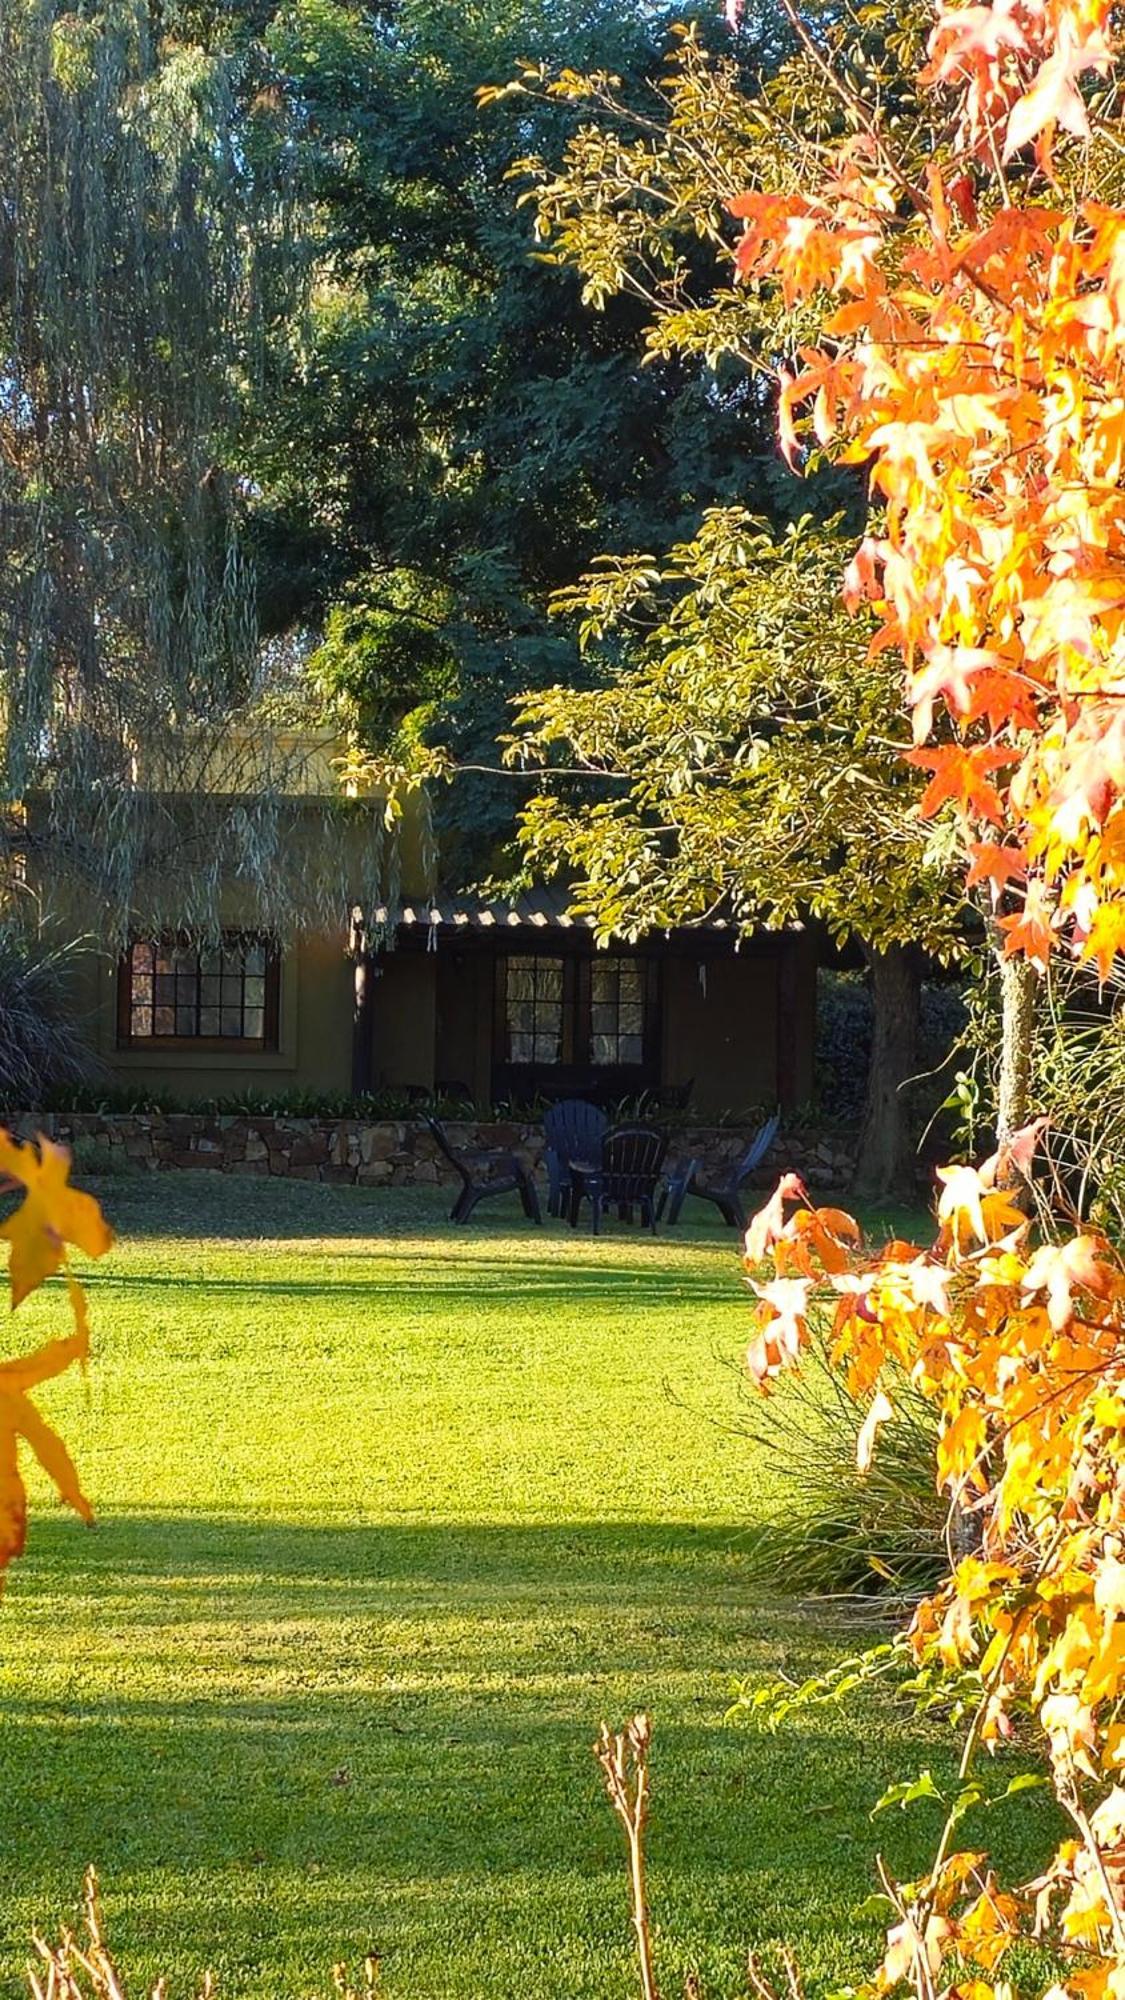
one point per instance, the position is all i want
(726, 1195)
(573, 1130)
(628, 1176)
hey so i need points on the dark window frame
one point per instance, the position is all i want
(183, 944)
(576, 1052)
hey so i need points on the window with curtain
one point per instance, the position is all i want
(618, 998)
(534, 1009)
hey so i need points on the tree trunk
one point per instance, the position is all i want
(1018, 1002)
(886, 1160)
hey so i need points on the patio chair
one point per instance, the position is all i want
(485, 1171)
(725, 1194)
(573, 1130)
(628, 1175)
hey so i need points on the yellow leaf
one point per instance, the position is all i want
(51, 1215)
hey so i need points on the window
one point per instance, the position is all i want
(576, 1012)
(617, 1011)
(534, 1009)
(175, 991)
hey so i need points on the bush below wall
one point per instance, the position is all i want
(391, 1153)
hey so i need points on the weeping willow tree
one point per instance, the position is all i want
(145, 253)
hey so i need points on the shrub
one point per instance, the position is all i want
(839, 1532)
(41, 1050)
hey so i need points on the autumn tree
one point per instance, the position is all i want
(964, 345)
(747, 757)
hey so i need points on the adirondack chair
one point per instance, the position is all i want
(628, 1174)
(725, 1194)
(485, 1171)
(573, 1130)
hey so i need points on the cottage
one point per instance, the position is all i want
(452, 995)
(432, 991)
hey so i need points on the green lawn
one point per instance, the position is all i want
(390, 1517)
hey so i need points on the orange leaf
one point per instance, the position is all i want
(961, 775)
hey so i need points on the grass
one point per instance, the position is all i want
(390, 1517)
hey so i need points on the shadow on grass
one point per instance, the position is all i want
(467, 1280)
(236, 1207)
(288, 1743)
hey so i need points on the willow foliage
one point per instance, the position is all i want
(144, 254)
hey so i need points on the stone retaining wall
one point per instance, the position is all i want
(394, 1153)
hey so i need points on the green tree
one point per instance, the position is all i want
(759, 748)
(748, 755)
(450, 435)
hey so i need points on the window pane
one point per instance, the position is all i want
(185, 1020)
(255, 959)
(208, 1020)
(165, 989)
(631, 1020)
(603, 1049)
(164, 1021)
(210, 961)
(630, 984)
(254, 992)
(630, 1049)
(211, 987)
(141, 1021)
(603, 1020)
(549, 979)
(522, 1047)
(232, 1022)
(142, 989)
(142, 957)
(185, 959)
(254, 1023)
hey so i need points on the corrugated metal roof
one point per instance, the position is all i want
(535, 909)
(539, 909)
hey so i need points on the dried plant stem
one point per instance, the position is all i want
(624, 1763)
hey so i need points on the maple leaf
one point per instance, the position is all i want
(961, 775)
(20, 1420)
(767, 1226)
(781, 1316)
(51, 1215)
(1060, 1269)
(1105, 938)
(996, 865)
(1015, 1155)
(1054, 98)
(1030, 931)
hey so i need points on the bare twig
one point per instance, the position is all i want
(624, 1763)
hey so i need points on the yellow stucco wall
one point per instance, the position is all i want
(315, 1025)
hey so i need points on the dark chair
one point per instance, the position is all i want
(452, 1089)
(484, 1172)
(726, 1194)
(573, 1130)
(629, 1173)
(675, 1096)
